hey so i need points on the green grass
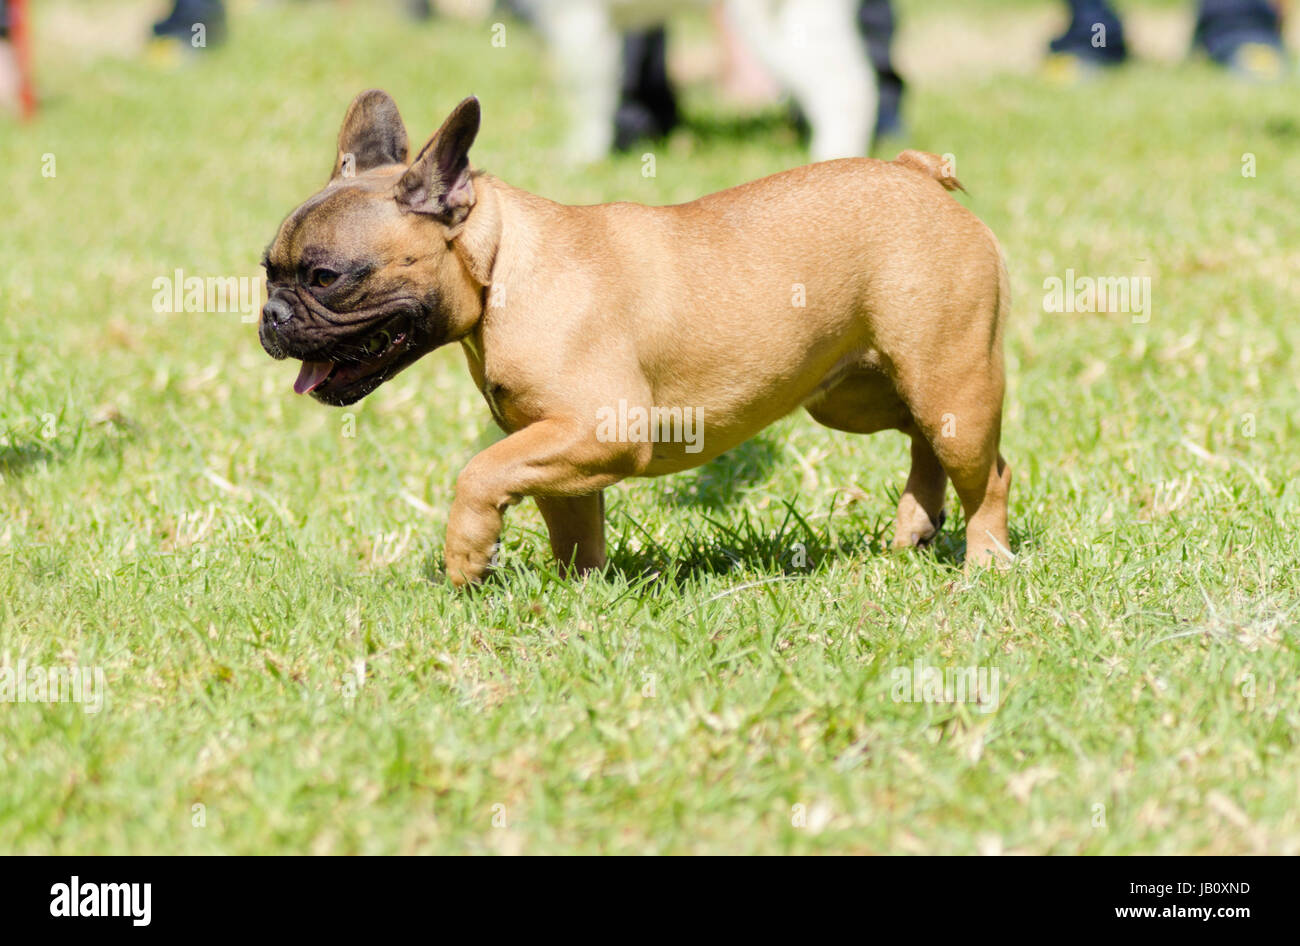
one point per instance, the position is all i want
(264, 592)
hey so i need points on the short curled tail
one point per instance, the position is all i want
(931, 165)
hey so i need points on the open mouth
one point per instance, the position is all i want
(363, 366)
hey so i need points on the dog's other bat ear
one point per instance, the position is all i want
(438, 183)
(372, 135)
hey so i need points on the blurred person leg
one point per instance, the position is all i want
(1093, 39)
(810, 46)
(813, 48)
(16, 90)
(744, 80)
(585, 49)
(10, 80)
(1243, 35)
(648, 103)
(647, 107)
(519, 9)
(192, 25)
(876, 22)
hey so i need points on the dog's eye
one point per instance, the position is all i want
(321, 278)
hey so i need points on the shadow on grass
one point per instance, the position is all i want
(721, 482)
(773, 124)
(20, 455)
(791, 549)
(794, 549)
(17, 458)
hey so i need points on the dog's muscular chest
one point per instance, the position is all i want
(492, 391)
(502, 385)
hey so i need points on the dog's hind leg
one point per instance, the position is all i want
(920, 508)
(955, 394)
(864, 402)
(982, 479)
(961, 424)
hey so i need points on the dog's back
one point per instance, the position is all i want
(786, 277)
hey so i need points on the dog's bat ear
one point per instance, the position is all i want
(372, 135)
(438, 182)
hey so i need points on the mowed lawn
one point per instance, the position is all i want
(260, 579)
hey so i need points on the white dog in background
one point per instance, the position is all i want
(811, 47)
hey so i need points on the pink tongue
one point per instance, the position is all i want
(311, 375)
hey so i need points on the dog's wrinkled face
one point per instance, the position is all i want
(341, 296)
(354, 274)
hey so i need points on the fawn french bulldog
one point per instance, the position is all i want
(857, 289)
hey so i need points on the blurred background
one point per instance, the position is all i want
(228, 552)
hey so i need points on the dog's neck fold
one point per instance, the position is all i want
(476, 239)
(469, 263)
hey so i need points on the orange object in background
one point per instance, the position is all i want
(20, 36)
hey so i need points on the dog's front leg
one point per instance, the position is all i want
(564, 466)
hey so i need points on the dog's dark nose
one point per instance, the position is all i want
(276, 312)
